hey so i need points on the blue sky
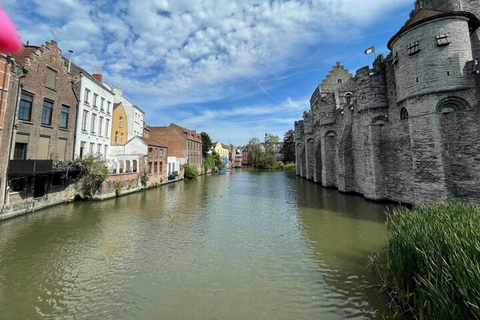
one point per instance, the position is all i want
(235, 69)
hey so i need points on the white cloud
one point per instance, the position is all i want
(193, 51)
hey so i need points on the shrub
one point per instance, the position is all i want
(190, 172)
(290, 167)
(93, 171)
(433, 260)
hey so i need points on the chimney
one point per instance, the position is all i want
(97, 75)
(70, 54)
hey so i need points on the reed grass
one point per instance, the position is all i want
(433, 260)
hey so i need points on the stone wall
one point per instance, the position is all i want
(409, 129)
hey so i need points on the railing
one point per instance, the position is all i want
(29, 167)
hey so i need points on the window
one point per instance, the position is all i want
(20, 151)
(91, 147)
(82, 149)
(94, 119)
(448, 109)
(161, 166)
(413, 48)
(102, 103)
(100, 126)
(87, 96)
(116, 137)
(51, 78)
(95, 98)
(108, 106)
(47, 112)
(121, 138)
(25, 110)
(452, 104)
(442, 40)
(64, 117)
(348, 98)
(106, 127)
(84, 120)
(339, 80)
(105, 148)
(120, 121)
(379, 121)
(404, 114)
(99, 147)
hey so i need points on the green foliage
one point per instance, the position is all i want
(267, 162)
(288, 147)
(208, 162)
(217, 160)
(254, 151)
(190, 172)
(93, 171)
(290, 167)
(144, 178)
(206, 143)
(271, 142)
(118, 187)
(433, 260)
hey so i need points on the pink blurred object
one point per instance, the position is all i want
(9, 40)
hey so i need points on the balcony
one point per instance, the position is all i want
(29, 167)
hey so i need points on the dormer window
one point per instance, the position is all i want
(413, 48)
(443, 40)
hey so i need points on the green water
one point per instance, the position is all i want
(243, 245)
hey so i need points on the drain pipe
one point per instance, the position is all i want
(14, 124)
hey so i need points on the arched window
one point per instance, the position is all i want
(404, 114)
(121, 167)
(380, 121)
(348, 98)
(135, 166)
(330, 134)
(127, 166)
(452, 104)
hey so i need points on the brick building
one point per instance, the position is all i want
(10, 78)
(407, 129)
(157, 161)
(189, 140)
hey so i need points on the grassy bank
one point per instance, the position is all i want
(433, 260)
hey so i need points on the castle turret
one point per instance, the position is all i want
(372, 86)
(431, 51)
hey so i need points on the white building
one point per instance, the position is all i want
(126, 158)
(94, 116)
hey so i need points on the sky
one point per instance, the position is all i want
(236, 69)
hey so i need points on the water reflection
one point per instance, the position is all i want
(244, 245)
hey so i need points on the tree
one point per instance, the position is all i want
(206, 143)
(218, 159)
(288, 147)
(254, 151)
(271, 142)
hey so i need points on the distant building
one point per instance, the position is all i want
(190, 142)
(157, 161)
(223, 150)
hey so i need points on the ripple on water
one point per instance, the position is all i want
(238, 246)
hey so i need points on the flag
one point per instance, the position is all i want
(370, 50)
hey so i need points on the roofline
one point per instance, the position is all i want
(473, 20)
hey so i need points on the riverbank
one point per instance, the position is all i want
(114, 186)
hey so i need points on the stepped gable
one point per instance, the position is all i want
(330, 83)
(30, 53)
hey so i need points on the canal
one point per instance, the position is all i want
(242, 245)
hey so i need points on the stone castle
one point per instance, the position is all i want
(408, 129)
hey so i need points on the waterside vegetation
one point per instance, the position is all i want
(432, 266)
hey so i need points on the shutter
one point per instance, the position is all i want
(21, 138)
(61, 147)
(43, 145)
